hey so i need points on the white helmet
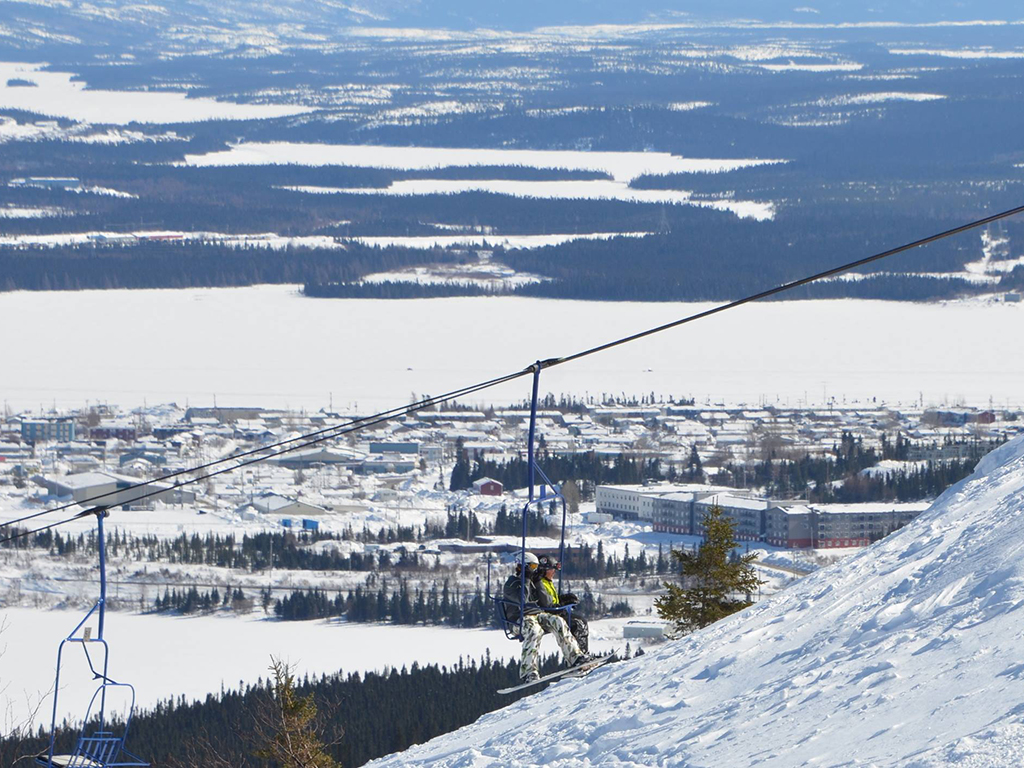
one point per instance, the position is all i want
(531, 560)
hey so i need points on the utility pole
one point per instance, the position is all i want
(488, 575)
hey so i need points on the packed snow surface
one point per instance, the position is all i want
(906, 654)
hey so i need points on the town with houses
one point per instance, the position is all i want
(400, 473)
(415, 520)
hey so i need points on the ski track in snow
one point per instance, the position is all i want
(905, 654)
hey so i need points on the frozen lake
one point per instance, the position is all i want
(270, 346)
(622, 166)
(207, 653)
(57, 94)
(555, 190)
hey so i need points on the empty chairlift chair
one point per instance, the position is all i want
(97, 745)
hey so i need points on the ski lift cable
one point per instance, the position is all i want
(43, 528)
(363, 423)
(385, 416)
(311, 438)
(787, 286)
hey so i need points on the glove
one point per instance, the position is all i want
(568, 599)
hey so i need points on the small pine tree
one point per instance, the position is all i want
(711, 579)
(290, 730)
(694, 468)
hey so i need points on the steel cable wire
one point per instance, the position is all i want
(384, 416)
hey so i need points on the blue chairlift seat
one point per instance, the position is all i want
(508, 616)
(101, 748)
(505, 609)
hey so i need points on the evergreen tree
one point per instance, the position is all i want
(291, 726)
(461, 470)
(711, 578)
(694, 469)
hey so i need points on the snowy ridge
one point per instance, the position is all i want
(907, 654)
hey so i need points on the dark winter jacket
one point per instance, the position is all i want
(511, 593)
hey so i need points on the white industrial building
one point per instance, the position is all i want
(109, 490)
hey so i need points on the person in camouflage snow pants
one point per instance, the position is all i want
(534, 627)
(536, 622)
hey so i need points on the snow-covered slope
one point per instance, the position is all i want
(908, 654)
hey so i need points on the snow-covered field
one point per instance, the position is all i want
(848, 66)
(21, 212)
(876, 98)
(270, 346)
(84, 133)
(485, 274)
(906, 654)
(485, 241)
(623, 167)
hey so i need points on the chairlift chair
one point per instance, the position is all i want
(513, 627)
(100, 747)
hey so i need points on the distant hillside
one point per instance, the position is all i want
(906, 654)
(29, 24)
(467, 14)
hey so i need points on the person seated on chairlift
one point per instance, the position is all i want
(536, 622)
(513, 585)
(548, 598)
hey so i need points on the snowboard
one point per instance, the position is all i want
(568, 672)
